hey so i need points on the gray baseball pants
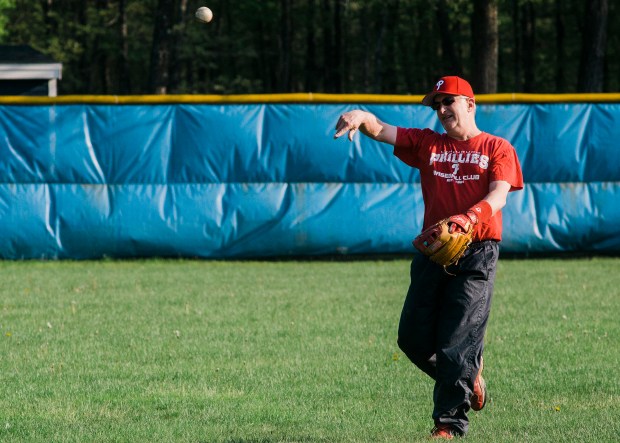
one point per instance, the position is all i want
(443, 323)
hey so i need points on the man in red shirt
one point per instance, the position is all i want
(467, 172)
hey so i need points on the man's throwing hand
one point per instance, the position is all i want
(350, 122)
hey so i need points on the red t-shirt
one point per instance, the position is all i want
(456, 174)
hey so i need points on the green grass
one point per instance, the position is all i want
(203, 351)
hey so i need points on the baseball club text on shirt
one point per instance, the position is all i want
(457, 158)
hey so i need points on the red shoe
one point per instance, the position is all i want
(479, 396)
(443, 432)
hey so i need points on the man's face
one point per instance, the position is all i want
(453, 111)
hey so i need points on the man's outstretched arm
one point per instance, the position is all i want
(367, 124)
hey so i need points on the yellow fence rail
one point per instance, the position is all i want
(308, 97)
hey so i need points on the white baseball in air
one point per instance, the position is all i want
(204, 14)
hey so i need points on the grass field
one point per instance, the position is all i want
(240, 352)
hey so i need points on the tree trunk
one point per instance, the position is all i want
(391, 70)
(345, 74)
(264, 62)
(560, 75)
(452, 62)
(176, 67)
(529, 46)
(284, 77)
(365, 20)
(338, 60)
(84, 62)
(328, 55)
(161, 47)
(310, 74)
(48, 9)
(485, 46)
(518, 44)
(377, 83)
(124, 80)
(97, 79)
(591, 67)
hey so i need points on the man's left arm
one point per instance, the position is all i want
(482, 211)
(498, 193)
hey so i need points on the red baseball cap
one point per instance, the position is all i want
(451, 85)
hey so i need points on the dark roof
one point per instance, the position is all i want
(23, 54)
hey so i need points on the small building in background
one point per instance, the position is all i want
(26, 71)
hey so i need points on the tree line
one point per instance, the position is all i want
(332, 46)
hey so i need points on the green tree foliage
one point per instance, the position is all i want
(337, 46)
(5, 7)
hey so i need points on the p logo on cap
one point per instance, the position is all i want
(450, 85)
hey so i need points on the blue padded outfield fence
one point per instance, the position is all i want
(260, 176)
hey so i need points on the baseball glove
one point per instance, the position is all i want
(446, 241)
